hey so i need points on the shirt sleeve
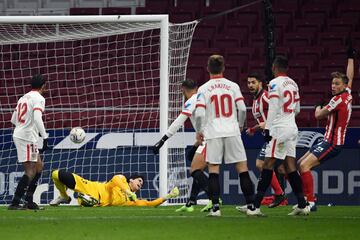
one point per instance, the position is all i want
(40, 124)
(118, 181)
(175, 126)
(273, 104)
(240, 105)
(200, 111)
(334, 103)
(14, 117)
(39, 105)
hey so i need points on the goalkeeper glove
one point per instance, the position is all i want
(267, 136)
(159, 144)
(87, 201)
(131, 195)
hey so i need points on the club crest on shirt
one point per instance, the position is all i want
(272, 87)
(187, 105)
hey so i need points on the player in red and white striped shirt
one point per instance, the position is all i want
(337, 112)
(28, 122)
(259, 110)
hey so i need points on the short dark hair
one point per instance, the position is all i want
(135, 176)
(37, 81)
(189, 84)
(216, 64)
(281, 63)
(255, 75)
(341, 76)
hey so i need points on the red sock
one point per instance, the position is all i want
(275, 185)
(308, 185)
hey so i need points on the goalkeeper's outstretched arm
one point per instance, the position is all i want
(154, 203)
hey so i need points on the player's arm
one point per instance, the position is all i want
(321, 113)
(274, 107)
(297, 104)
(351, 53)
(200, 112)
(174, 127)
(241, 111)
(14, 117)
(120, 181)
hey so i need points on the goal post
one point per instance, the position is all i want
(118, 77)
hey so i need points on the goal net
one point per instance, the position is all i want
(118, 78)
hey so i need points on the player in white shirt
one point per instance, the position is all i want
(196, 154)
(281, 134)
(28, 122)
(221, 103)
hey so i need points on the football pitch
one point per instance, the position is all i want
(126, 223)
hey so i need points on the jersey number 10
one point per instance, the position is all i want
(224, 100)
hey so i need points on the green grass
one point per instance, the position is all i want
(126, 223)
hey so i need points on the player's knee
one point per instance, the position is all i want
(304, 166)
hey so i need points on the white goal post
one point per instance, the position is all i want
(118, 77)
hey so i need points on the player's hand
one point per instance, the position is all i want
(351, 52)
(267, 136)
(131, 195)
(199, 137)
(250, 131)
(320, 104)
(159, 144)
(45, 145)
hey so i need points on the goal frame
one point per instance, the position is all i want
(163, 19)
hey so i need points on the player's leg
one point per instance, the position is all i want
(296, 185)
(30, 204)
(275, 185)
(62, 180)
(27, 156)
(214, 155)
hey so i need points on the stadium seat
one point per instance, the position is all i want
(84, 11)
(331, 39)
(319, 10)
(91, 3)
(116, 11)
(332, 65)
(342, 25)
(226, 42)
(298, 39)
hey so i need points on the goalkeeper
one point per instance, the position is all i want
(119, 191)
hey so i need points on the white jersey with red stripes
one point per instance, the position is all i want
(287, 91)
(338, 119)
(25, 126)
(189, 109)
(260, 106)
(219, 96)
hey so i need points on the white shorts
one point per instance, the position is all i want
(26, 151)
(230, 148)
(282, 144)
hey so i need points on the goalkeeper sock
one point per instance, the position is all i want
(202, 180)
(32, 187)
(20, 189)
(59, 185)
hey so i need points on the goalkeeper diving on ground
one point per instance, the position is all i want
(119, 191)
